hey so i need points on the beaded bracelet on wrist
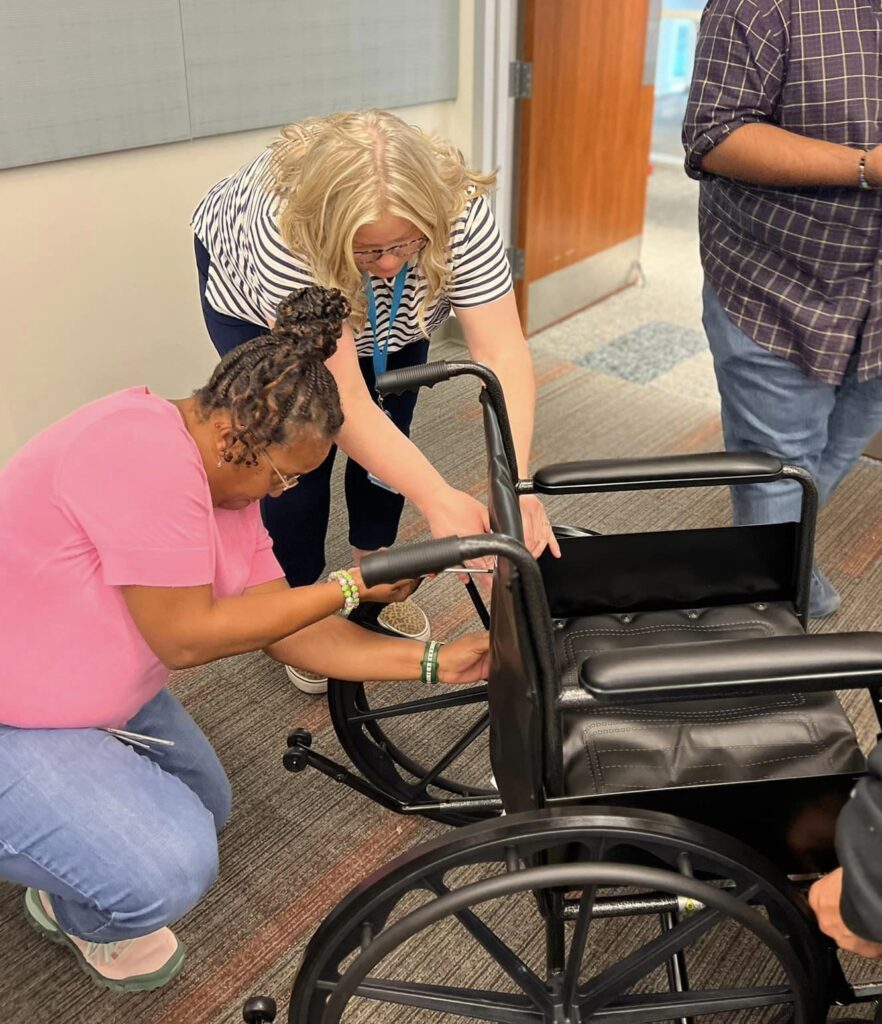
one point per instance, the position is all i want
(429, 664)
(863, 180)
(351, 597)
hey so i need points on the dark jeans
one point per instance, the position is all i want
(297, 521)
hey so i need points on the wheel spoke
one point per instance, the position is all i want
(584, 918)
(477, 1004)
(598, 992)
(577, 946)
(458, 698)
(615, 980)
(455, 751)
(666, 1006)
(526, 979)
(678, 974)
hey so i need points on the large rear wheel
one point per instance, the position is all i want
(613, 916)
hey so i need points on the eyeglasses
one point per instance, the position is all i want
(285, 482)
(402, 251)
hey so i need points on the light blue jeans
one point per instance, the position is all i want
(124, 840)
(770, 405)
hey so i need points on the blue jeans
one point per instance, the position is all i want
(124, 840)
(770, 405)
(297, 520)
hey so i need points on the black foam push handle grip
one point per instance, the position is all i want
(407, 563)
(412, 378)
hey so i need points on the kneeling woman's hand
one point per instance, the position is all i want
(384, 593)
(465, 660)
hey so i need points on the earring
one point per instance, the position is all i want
(220, 462)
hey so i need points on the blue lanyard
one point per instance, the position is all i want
(381, 355)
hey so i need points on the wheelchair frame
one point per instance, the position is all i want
(673, 856)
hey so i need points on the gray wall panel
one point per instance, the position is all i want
(262, 63)
(88, 76)
(91, 76)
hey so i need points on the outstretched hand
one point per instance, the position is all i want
(538, 534)
(466, 660)
(457, 514)
(384, 593)
(824, 898)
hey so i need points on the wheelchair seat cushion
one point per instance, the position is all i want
(681, 743)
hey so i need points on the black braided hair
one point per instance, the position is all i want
(277, 385)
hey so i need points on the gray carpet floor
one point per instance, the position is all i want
(296, 844)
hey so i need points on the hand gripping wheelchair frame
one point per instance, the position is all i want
(670, 755)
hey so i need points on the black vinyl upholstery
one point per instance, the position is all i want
(684, 743)
(694, 470)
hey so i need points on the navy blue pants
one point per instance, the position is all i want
(297, 521)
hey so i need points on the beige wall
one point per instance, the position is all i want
(98, 280)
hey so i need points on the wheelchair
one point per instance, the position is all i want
(671, 758)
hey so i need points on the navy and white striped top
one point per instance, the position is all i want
(252, 269)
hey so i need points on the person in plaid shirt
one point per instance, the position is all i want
(782, 130)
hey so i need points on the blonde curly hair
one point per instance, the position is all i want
(332, 175)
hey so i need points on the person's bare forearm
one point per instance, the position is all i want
(495, 338)
(342, 650)
(374, 442)
(251, 621)
(189, 632)
(764, 154)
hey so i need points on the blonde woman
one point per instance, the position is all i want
(393, 218)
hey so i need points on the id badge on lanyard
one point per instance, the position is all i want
(381, 354)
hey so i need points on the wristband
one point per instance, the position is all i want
(429, 664)
(863, 181)
(351, 597)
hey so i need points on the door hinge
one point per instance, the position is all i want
(518, 264)
(520, 79)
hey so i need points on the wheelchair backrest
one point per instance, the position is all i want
(524, 728)
(502, 498)
(699, 568)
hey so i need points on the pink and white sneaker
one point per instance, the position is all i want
(130, 965)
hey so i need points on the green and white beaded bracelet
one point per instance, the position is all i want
(429, 664)
(351, 597)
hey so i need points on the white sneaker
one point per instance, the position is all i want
(406, 619)
(307, 682)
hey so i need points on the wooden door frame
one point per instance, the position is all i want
(570, 262)
(494, 114)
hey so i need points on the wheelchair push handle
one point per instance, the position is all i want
(432, 556)
(412, 378)
(406, 563)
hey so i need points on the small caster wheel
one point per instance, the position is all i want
(295, 759)
(259, 1010)
(300, 738)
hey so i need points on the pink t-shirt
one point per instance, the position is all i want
(114, 494)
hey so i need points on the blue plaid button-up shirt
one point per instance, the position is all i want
(797, 269)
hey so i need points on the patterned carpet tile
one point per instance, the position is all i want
(646, 353)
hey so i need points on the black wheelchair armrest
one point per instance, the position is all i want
(704, 469)
(781, 664)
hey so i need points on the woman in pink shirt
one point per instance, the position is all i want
(132, 526)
